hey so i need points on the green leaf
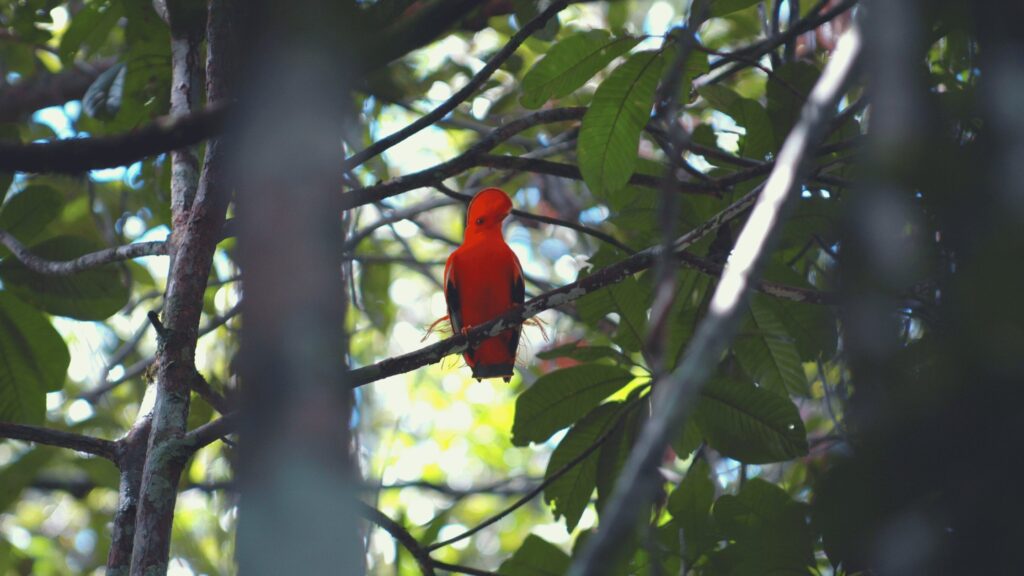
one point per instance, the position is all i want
(536, 557)
(783, 105)
(610, 133)
(759, 140)
(33, 361)
(750, 424)
(570, 63)
(374, 281)
(690, 505)
(90, 26)
(26, 215)
(559, 398)
(768, 353)
(723, 7)
(767, 530)
(571, 492)
(93, 294)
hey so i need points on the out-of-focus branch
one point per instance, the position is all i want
(540, 166)
(462, 94)
(50, 437)
(82, 154)
(85, 262)
(401, 535)
(681, 388)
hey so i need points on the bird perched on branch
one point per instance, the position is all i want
(482, 280)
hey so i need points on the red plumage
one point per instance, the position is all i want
(482, 280)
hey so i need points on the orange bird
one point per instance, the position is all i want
(482, 280)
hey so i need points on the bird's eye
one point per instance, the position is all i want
(479, 221)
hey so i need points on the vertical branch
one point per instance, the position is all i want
(638, 479)
(130, 460)
(183, 304)
(297, 512)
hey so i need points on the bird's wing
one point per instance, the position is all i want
(518, 291)
(451, 295)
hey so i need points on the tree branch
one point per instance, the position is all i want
(85, 262)
(400, 534)
(573, 173)
(461, 162)
(50, 437)
(462, 94)
(77, 155)
(680, 389)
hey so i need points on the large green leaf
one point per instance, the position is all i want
(536, 557)
(33, 361)
(26, 215)
(759, 140)
(93, 294)
(690, 505)
(768, 352)
(768, 532)
(783, 104)
(570, 493)
(559, 398)
(610, 133)
(750, 424)
(570, 63)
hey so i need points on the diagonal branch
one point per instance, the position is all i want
(50, 437)
(465, 92)
(680, 389)
(85, 262)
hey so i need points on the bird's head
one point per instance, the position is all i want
(487, 210)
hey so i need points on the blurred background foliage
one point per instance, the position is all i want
(440, 452)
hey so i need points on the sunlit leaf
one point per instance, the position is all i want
(559, 398)
(90, 27)
(570, 63)
(610, 133)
